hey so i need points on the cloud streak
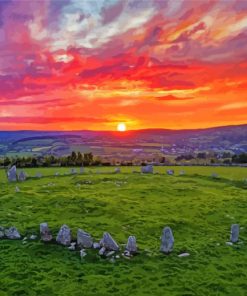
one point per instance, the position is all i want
(148, 61)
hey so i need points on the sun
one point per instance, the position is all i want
(121, 127)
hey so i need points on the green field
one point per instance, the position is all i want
(198, 208)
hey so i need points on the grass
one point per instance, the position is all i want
(198, 208)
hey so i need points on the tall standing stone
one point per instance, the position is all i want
(64, 236)
(12, 174)
(73, 171)
(45, 232)
(167, 240)
(109, 243)
(234, 233)
(81, 170)
(131, 244)
(84, 239)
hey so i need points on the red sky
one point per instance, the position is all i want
(71, 65)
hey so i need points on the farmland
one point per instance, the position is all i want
(199, 209)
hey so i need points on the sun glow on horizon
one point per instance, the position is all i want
(121, 127)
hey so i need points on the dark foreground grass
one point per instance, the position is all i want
(198, 208)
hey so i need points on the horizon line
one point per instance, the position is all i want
(129, 130)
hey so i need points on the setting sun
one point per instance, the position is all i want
(121, 127)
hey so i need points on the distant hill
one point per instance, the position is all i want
(115, 144)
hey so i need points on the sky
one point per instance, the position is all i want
(90, 64)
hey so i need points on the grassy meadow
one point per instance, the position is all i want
(199, 209)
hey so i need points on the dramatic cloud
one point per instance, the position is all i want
(73, 64)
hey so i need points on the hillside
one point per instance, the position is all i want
(141, 143)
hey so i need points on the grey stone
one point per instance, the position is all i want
(33, 237)
(38, 175)
(12, 233)
(148, 169)
(57, 174)
(182, 172)
(81, 170)
(72, 247)
(64, 236)
(73, 171)
(1, 232)
(234, 233)
(96, 245)
(12, 174)
(117, 170)
(17, 189)
(45, 233)
(170, 172)
(184, 255)
(83, 253)
(102, 251)
(109, 243)
(22, 176)
(229, 243)
(84, 239)
(131, 244)
(111, 253)
(167, 240)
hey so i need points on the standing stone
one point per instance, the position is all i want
(12, 174)
(17, 189)
(81, 170)
(12, 233)
(45, 233)
(181, 173)
(73, 171)
(84, 239)
(22, 176)
(170, 172)
(64, 236)
(1, 232)
(38, 175)
(167, 241)
(117, 170)
(234, 233)
(148, 169)
(131, 245)
(109, 243)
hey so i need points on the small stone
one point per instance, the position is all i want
(111, 253)
(117, 256)
(17, 189)
(148, 169)
(12, 233)
(112, 260)
(184, 255)
(126, 253)
(33, 237)
(84, 239)
(234, 233)
(170, 172)
(72, 247)
(167, 241)
(109, 243)
(22, 176)
(83, 253)
(229, 243)
(45, 233)
(102, 251)
(117, 170)
(64, 236)
(96, 245)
